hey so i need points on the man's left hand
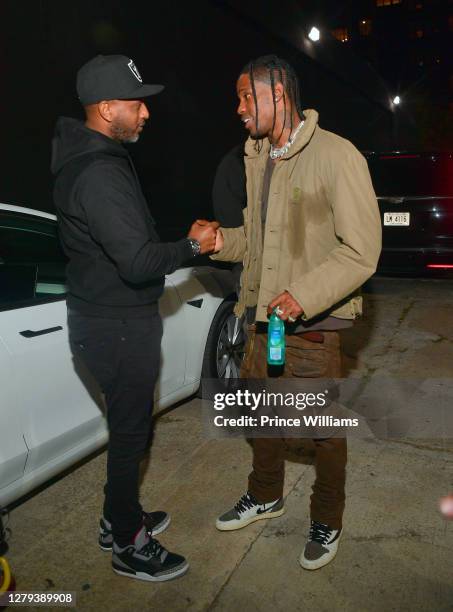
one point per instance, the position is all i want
(287, 307)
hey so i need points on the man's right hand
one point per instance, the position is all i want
(219, 242)
(205, 232)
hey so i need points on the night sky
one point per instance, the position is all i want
(196, 50)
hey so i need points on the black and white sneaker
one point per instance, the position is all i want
(155, 523)
(321, 547)
(148, 560)
(248, 510)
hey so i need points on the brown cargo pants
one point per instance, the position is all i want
(311, 355)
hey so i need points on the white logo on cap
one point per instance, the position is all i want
(135, 72)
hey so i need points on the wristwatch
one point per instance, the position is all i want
(196, 247)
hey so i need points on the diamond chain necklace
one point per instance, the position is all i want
(275, 153)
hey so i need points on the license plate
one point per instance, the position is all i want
(397, 218)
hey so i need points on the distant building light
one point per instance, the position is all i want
(314, 34)
(396, 100)
(341, 34)
(365, 27)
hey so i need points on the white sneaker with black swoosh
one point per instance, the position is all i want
(321, 547)
(248, 510)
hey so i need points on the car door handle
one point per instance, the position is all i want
(28, 333)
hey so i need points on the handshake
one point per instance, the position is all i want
(208, 235)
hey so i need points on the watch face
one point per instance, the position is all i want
(196, 248)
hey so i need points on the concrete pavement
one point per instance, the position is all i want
(396, 552)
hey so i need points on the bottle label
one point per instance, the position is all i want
(276, 336)
(275, 353)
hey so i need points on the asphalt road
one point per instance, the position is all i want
(396, 552)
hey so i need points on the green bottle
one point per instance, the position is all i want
(275, 340)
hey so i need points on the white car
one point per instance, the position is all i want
(51, 410)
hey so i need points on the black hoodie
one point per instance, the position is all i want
(116, 262)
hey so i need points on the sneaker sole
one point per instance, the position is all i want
(148, 577)
(314, 565)
(259, 517)
(162, 527)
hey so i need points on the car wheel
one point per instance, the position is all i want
(225, 345)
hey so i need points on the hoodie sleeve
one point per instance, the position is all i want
(118, 222)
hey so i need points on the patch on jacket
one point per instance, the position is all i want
(296, 194)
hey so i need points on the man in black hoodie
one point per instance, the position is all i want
(115, 277)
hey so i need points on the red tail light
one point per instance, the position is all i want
(440, 266)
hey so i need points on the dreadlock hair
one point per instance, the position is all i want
(267, 69)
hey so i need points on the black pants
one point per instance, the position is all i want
(123, 356)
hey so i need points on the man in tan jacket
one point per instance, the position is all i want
(311, 237)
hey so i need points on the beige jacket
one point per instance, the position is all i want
(323, 229)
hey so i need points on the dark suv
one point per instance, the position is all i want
(415, 194)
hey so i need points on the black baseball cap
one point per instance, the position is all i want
(112, 77)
